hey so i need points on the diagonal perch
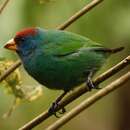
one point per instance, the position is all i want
(77, 93)
(3, 6)
(90, 101)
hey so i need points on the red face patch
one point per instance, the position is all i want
(27, 31)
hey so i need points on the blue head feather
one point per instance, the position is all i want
(26, 44)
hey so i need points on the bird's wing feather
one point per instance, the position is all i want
(62, 43)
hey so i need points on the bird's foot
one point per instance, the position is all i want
(91, 85)
(63, 110)
(89, 81)
(53, 109)
(55, 105)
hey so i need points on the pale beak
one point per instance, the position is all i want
(11, 45)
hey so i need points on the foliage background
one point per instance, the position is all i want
(109, 24)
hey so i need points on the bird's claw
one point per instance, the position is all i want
(90, 84)
(53, 109)
(63, 110)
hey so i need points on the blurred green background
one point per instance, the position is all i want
(108, 23)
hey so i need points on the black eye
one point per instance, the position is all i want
(19, 39)
(22, 39)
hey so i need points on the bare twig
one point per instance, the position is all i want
(11, 69)
(77, 93)
(3, 6)
(112, 70)
(90, 101)
(11, 109)
(61, 27)
(83, 11)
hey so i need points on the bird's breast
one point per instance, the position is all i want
(62, 73)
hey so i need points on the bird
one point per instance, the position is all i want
(59, 59)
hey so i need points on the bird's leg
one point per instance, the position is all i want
(55, 104)
(89, 81)
(63, 110)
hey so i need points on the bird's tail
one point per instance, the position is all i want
(115, 50)
(110, 50)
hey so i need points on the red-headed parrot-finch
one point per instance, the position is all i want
(59, 59)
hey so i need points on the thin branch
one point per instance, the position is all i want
(80, 13)
(61, 27)
(121, 65)
(90, 101)
(3, 6)
(11, 109)
(9, 70)
(77, 93)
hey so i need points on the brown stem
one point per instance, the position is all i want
(9, 70)
(77, 93)
(3, 6)
(90, 101)
(80, 13)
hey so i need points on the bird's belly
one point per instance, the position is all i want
(57, 76)
(61, 74)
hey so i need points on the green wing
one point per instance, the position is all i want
(62, 43)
